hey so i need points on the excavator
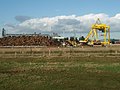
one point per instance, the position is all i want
(93, 36)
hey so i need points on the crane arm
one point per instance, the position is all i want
(89, 34)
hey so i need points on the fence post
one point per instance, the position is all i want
(49, 52)
(43, 53)
(15, 54)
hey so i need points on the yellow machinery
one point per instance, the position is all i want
(72, 43)
(93, 36)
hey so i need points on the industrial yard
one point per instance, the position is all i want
(59, 45)
(99, 34)
(52, 62)
(38, 61)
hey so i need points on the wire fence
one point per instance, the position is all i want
(37, 52)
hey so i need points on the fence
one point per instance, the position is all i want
(37, 52)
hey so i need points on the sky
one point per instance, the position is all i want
(28, 16)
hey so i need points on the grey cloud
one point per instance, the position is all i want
(22, 18)
(68, 21)
(67, 25)
(10, 25)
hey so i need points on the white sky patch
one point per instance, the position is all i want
(69, 23)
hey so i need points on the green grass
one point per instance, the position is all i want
(60, 73)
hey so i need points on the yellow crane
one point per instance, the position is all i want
(93, 36)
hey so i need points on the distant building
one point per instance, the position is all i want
(20, 35)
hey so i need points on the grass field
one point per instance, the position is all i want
(60, 73)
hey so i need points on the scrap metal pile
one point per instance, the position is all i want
(28, 41)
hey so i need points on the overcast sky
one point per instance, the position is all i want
(28, 16)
